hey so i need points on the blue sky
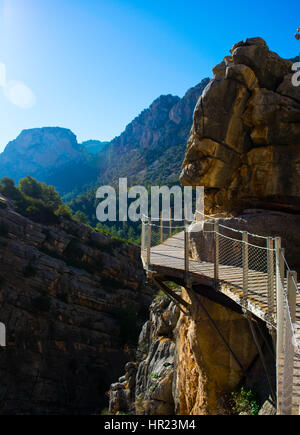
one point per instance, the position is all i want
(93, 65)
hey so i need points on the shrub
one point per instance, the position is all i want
(160, 296)
(105, 411)
(64, 211)
(30, 187)
(81, 218)
(8, 189)
(154, 376)
(36, 210)
(244, 401)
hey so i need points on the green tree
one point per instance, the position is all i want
(50, 197)
(81, 218)
(65, 211)
(8, 189)
(31, 187)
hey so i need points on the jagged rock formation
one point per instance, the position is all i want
(244, 144)
(63, 291)
(152, 146)
(94, 146)
(184, 367)
(147, 385)
(151, 149)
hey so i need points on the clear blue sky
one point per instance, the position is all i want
(93, 65)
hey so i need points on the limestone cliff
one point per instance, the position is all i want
(244, 148)
(244, 144)
(65, 291)
(184, 366)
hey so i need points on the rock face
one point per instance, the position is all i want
(50, 154)
(147, 386)
(183, 365)
(64, 290)
(244, 143)
(150, 149)
(152, 146)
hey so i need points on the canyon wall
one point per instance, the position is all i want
(66, 293)
(185, 368)
(244, 148)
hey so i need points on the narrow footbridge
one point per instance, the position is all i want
(249, 269)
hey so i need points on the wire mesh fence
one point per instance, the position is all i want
(256, 266)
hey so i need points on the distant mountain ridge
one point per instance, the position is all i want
(151, 149)
(50, 154)
(94, 146)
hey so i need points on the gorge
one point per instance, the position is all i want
(68, 293)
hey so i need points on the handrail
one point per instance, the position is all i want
(273, 267)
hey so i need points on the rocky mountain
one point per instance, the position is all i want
(94, 146)
(72, 301)
(183, 368)
(50, 154)
(244, 144)
(244, 149)
(150, 149)
(152, 146)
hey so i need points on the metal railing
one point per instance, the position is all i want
(260, 271)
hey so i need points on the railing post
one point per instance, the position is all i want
(292, 292)
(279, 295)
(143, 237)
(149, 244)
(279, 318)
(288, 368)
(245, 269)
(170, 229)
(217, 254)
(186, 254)
(271, 289)
(161, 228)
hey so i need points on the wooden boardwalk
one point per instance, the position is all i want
(168, 260)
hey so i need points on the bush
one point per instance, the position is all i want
(32, 188)
(81, 218)
(64, 211)
(160, 296)
(8, 189)
(244, 402)
(38, 212)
